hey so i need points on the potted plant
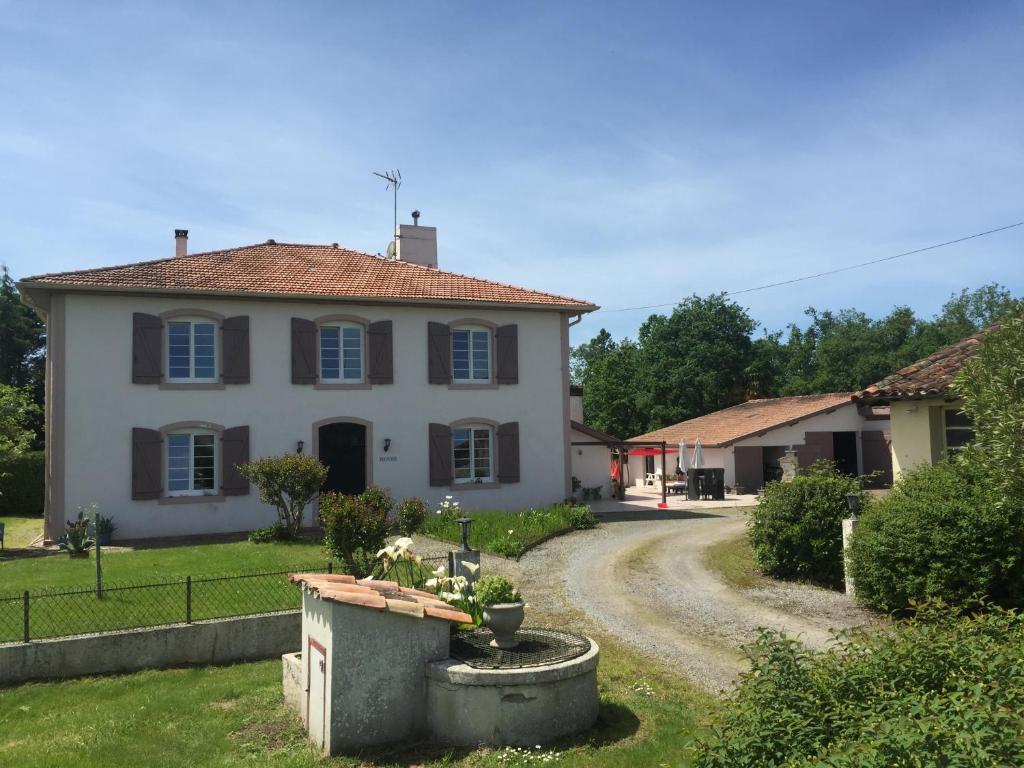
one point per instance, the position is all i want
(76, 540)
(502, 609)
(104, 530)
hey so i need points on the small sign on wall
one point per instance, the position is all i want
(388, 458)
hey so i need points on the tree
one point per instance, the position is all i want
(22, 346)
(289, 482)
(17, 413)
(585, 355)
(610, 392)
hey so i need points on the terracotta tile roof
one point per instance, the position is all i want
(730, 425)
(378, 595)
(930, 377)
(286, 269)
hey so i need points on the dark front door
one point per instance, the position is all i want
(342, 447)
(844, 452)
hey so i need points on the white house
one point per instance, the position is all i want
(163, 375)
(747, 440)
(591, 448)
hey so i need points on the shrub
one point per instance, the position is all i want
(269, 534)
(942, 532)
(289, 482)
(412, 513)
(507, 544)
(796, 529)
(23, 485)
(580, 517)
(495, 590)
(379, 499)
(936, 690)
(355, 529)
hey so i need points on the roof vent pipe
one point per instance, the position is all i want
(180, 242)
(415, 218)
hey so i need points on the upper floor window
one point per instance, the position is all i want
(471, 355)
(959, 429)
(191, 463)
(472, 452)
(341, 353)
(192, 350)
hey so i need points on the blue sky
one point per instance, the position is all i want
(627, 153)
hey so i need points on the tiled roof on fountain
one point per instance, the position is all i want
(378, 595)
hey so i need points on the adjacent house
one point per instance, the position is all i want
(591, 448)
(925, 413)
(747, 440)
(164, 375)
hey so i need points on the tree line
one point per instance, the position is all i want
(22, 373)
(706, 356)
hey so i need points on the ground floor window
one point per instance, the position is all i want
(472, 452)
(191, 463)
(959, 429)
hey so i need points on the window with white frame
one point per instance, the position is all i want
(192, 350)
(959, 429)
(341, 353)
(191, 463)
(473, 454)
(471, 355)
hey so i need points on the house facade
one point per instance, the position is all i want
(926, 414)
(749, 439)
(163, 376)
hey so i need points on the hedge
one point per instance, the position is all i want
(23, 485)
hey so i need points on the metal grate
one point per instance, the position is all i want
(536, 648)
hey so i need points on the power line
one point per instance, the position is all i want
(833, 271)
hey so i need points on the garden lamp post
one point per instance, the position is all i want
(464, 523)
(853, 502)
(99, 567)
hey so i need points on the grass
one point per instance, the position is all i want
(733, 561)
(503, 533)
(19, 532)
(234, 716)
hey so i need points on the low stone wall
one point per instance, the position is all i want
(219, 641)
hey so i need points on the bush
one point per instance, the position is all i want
(581, 518)
(412, 513)
(23, 485)
(289, 482)
(796, 529)
(269, 534)
(941, 532)
(495, 590)
(355, 529)
(379, 499)
(507, 545)
(937, 690)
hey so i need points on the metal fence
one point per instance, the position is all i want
(48, 613)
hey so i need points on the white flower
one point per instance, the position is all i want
(471, 567)
(509, 531)
(431, 583)
(404, 543)
(440, 572)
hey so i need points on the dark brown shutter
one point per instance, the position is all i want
(234, 339)
(508, 452)
(877, 455)
(234, 450)
(303, 351)
(506, 344)
(147, 463)
(147, 348)
(440, 454)
(379, 353)
(439, 353)
(749, 461)
(822, 443)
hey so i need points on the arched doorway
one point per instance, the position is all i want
(342, 447)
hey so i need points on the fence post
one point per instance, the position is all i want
(25, 617)
(188, 599)
(330, 566)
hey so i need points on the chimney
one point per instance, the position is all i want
(416, 244)
(180, 242)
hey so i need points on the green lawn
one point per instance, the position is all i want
(233, 716)
(733, 560)
(503, 533)
(19, 532)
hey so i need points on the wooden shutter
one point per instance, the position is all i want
(234, 450)
(234, 339)
(749, 463)
(440, 454)
(303, 351)
(506, 343)
(147, 464)
(821, 444)
(875, 448)
(508, 452)
(379, 353)
(439, 353)
(147, 348)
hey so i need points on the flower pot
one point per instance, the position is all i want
(504, 619)
(78, 555)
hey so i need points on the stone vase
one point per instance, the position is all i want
(504, 620)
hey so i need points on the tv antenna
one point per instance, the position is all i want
(394, 180)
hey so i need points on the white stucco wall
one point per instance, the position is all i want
(918, 435)
(844, 419)
(591, 464)
(103, 406)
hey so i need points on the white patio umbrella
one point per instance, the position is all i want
(684, 460)
(698, 455)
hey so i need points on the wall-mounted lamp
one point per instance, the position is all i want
(299, 446)
(387, 444)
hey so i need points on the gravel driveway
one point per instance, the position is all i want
(640, 576)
